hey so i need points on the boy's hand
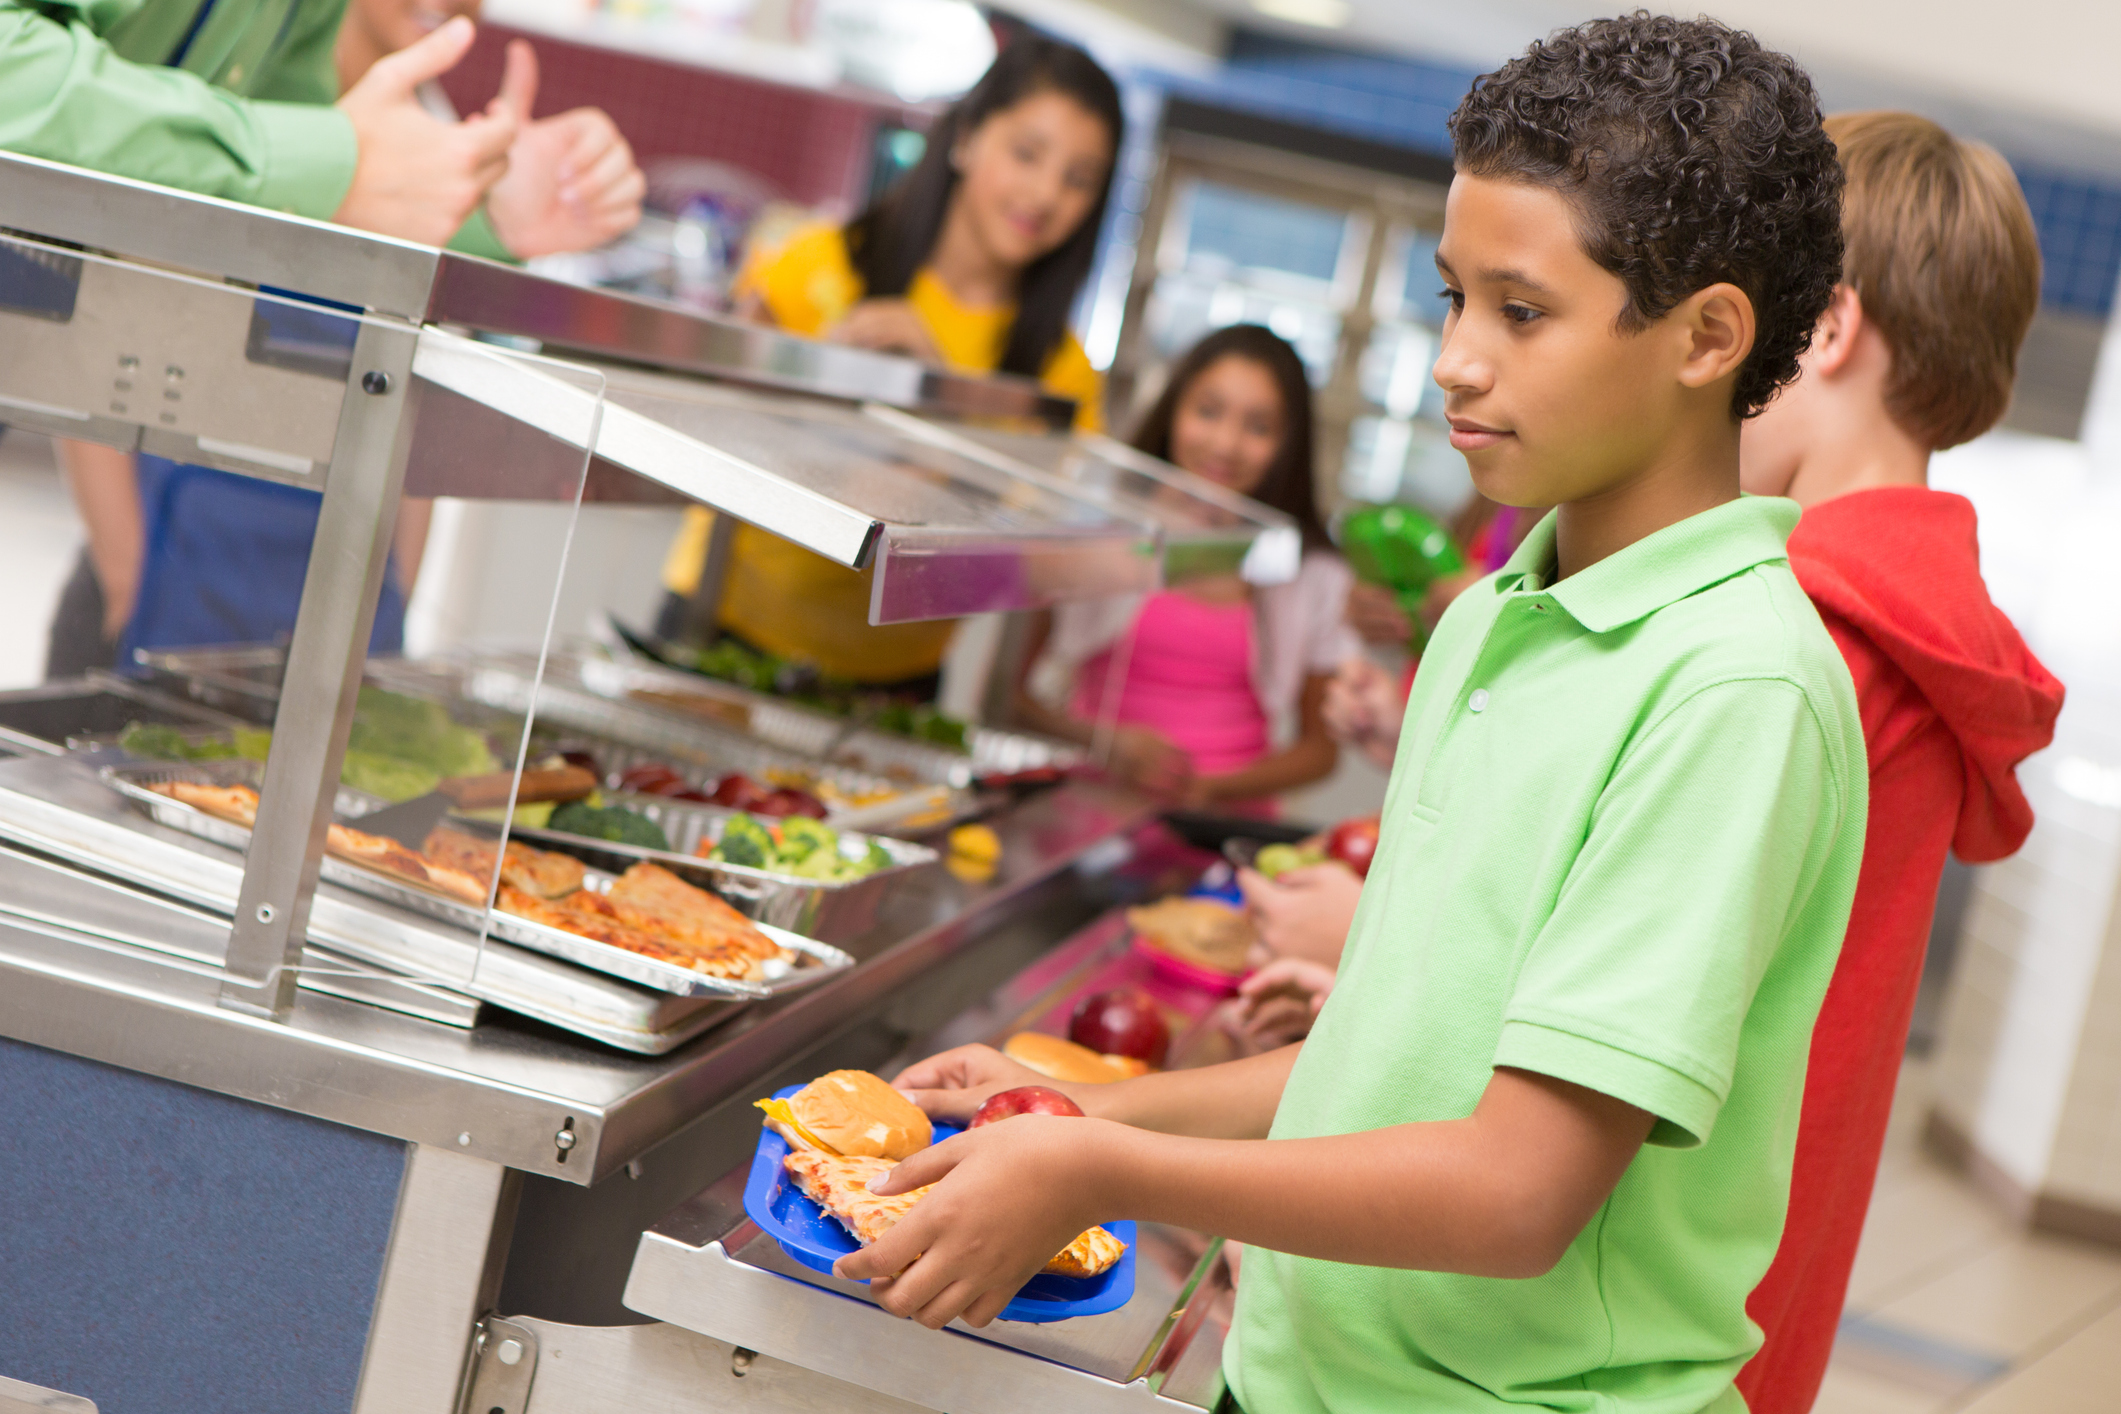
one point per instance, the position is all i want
(1303, 913)
(1279, 1003)
(1008, 1197)
(953, 1085)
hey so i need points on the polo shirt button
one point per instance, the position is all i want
(1479, 700)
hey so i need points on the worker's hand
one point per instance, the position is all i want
(1375, 615)
(1303, 913)
(1007, 1197)
(952, 1085)
(1148, 760)
(1364, 709)
(1280, 1002)
(416, 176)
(890, 325)
(571, 183)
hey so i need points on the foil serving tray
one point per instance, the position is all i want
(135, 782)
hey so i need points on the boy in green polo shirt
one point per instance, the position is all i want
(1536, 1151)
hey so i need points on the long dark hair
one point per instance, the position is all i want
(892, 240)
(1289, 486)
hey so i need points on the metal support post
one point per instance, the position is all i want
(703, 613)
(323, 676)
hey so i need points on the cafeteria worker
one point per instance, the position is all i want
(244, 99)
(972, 261)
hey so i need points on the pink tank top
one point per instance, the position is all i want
(1189, 677)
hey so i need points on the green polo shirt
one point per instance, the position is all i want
(1619, 846)
(245, 115)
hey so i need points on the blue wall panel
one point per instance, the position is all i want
(1406, 102)
(166, 1250)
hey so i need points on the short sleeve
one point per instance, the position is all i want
(1703, 847)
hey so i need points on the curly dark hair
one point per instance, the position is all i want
(1693, 155)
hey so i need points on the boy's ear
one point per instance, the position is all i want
(1834, 337)
(1719, 325)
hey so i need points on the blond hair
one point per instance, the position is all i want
(1942, 252)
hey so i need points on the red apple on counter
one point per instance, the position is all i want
(1024, 1100)
(1354, 843)
(1122, 1022)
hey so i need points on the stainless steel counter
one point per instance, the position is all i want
(511, 1092)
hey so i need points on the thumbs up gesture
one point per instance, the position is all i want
(571, 184)
(418, 177)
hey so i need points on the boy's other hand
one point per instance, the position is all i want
(1280, 1002)
(953, 1085)
(417, 177)
(1008, 1196)
(571, 183)
(1303, 913)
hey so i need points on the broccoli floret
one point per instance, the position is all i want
(613, 823)
(801, 837)
(157, 743)
(745, 841)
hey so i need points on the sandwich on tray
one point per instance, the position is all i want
(846, 1128)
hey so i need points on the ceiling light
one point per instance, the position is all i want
(1323, 14)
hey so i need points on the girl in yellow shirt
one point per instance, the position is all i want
(973, 261)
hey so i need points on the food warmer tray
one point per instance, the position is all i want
(830, 910)
(58, 807)
(83, 712)
(989, 750)
(135, 782)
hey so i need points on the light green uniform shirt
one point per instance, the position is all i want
(247, 116)
(1619, 846)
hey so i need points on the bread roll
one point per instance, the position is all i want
(855, 1113)
(1061, 1059)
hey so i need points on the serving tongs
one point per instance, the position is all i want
(410, 822)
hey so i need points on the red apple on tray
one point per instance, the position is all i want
(1122, 1022)
(1024, 1100)
(1354, 843)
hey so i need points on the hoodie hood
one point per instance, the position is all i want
(1901, 566)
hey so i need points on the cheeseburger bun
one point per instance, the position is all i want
(855, 1113)
(1060, 1059)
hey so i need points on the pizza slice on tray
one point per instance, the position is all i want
(840, 1185)
(542, 872)
(237, 804)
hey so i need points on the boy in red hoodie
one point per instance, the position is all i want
(1916, 353)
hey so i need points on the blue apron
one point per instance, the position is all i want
(225, 560)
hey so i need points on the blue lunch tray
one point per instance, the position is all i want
(813, 1237)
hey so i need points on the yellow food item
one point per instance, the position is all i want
(972, 842)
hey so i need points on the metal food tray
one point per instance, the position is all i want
(134, 782)
(988, 750)
(697, 748)
(829, 910)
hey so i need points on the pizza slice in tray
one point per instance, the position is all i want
(542, 872)
(840, 1185)
(237, 804)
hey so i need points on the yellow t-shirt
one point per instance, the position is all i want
(779, 596)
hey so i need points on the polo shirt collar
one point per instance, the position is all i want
(1659, 569)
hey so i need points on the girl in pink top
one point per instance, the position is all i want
(1216, 686)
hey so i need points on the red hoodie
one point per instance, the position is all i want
(1952, 700)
